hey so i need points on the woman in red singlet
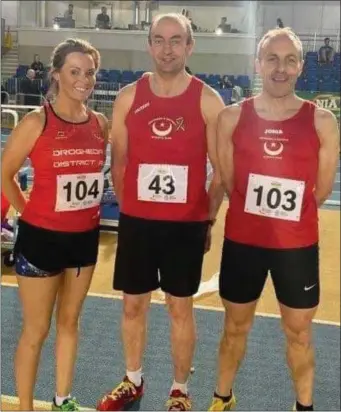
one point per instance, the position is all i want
(57, 243)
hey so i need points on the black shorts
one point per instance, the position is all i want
(294, 272)
(152, 254)
(41, 252)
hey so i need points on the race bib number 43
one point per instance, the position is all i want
(78, 192)
(274, 197)
(162, 183)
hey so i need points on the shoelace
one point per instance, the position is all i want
(180, 403)
(124, 388)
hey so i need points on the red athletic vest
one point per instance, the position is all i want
(275, 169)
(165, 175)
(67, 160)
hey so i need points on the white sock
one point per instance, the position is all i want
(60, 399)
(182, 387)
(135, 377)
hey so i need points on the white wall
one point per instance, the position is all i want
(241, 16)
(303, 16)
(9, 12)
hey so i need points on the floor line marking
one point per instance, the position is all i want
(14, 400)
(196, 306)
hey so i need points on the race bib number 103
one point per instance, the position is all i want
(274, 197)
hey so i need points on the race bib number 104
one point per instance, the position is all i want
(274, 197)
(78, 192)
(162, 183)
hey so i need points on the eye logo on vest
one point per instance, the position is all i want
(273, 145)
(163, 127)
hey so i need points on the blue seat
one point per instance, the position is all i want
(127, 76)
(213, 79)
(114, 76)
(202, 76)
(102, 75)
(139, 74)
(226, 95)
(243, 81)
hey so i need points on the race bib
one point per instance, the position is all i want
(162, 183)
(274, 197)
(78, 192)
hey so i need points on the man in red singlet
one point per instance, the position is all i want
(278, 156)
(57, 244)
(164, 129)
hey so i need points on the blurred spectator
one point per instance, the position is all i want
(326, 52)
(29, 89)
(188, 70)
(225, 83)
(69, 12)
(193, 25)
(37, 66)
(223, 26)
(280, 24)
(8, 39)
(102, 19)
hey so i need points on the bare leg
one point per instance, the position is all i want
(238, 322)
(37, 297)
(183, 335)
(134, 327)
(297, 325)
(71, 297)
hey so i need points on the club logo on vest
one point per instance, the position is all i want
(163, 127)
(273, 143)
(60, 135)
(273, 148)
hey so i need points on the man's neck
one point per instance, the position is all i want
(169, 86)
(277, 104)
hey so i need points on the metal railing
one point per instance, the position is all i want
(5, 97)
(313, 42)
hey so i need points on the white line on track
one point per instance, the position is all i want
(197, 306)
(14, 400)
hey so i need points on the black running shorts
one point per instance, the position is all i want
(294, 272)
(152, 254)
(41, 252)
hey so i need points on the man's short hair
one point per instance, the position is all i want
(177, 17)
(278, 32)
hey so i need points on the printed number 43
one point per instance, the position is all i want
(164, 184)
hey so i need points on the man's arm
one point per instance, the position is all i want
(119, 138)
(227, 123)
(329, 153)
(212, 104)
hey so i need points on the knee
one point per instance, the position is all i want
(180, 309)
(133, 309)
(36, 333)
(67, 323)
(236, 328)
(298, 335)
